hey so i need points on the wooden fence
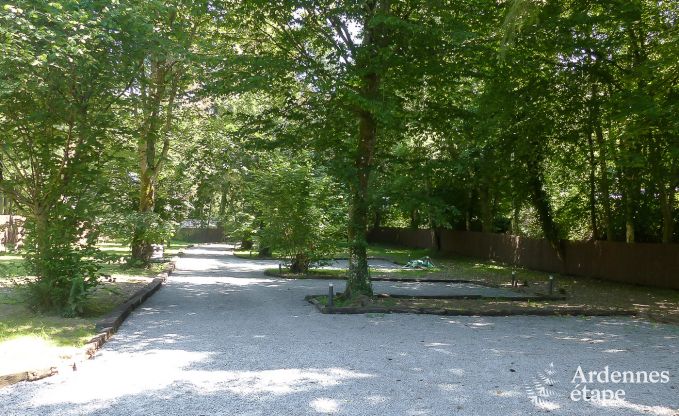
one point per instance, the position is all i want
(639, 263)
(200, 235)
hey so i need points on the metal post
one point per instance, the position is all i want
(551, 285)
(280, 269)
(331, 295)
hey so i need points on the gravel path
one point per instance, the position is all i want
(442, 289)
(222, 339)
(375, 264)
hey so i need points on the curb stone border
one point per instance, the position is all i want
(105, 328)
(312, 276)
(526, 296)
(465, 312)
(390, 279)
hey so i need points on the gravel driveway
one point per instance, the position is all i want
(220, 338)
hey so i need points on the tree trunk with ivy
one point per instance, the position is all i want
(158, 85)
(374, 39)
(358, 280)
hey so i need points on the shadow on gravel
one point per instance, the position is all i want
(222, 339)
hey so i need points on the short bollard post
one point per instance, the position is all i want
(513, 279)
(331, 295)
(551, 285)
(280, 269)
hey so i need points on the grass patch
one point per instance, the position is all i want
(124, 270)
(398, 255)
(311, 274)
(582, 293)
(339, 301)
(117, 248)
(254, 255)
(341, 274)
(406, 274)
(11, 266)
(54, 336)
(490, 307)
(17, 320)
(63, 332)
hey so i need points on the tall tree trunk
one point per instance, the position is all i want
(631, 146)
(604, 186)
(468, 211)
(42, 242)
(592, 185)
(414, 220)
(543, 206)
(486, 204)
(4, 200)
(631, 188)
(377, 219)
(163, 84)
(515, 223)
(358, 280)
(223, 200)
(141, 246)
(667, 195)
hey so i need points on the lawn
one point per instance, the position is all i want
(398, 255)
(17, 320)
(581, 293)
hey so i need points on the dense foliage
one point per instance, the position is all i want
(298, 125)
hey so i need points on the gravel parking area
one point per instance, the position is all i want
(375, 264)
(220, 338)
(442, 289)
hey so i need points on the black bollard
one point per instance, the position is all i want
(331, 295)
(551, 285)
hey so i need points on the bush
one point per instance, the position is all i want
(60, 252)
(301, 215)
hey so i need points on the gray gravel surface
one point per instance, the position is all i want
(375, 264)
(222, 339)
(441, 289)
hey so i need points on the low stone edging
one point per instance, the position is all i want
(527, 297)
(311, 276)
(467, 312)
(478, 297)
(105, 328)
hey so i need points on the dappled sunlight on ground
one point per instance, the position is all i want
(228, 340)
(155, 369)
(131, 374)
(325, 405)
(375, 265)
(40, 353)
(640, 408)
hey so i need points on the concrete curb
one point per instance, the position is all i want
(105, 328)
(271, 273)
(526, 297)
(465, 312)
(312, 276)
(476, 297)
